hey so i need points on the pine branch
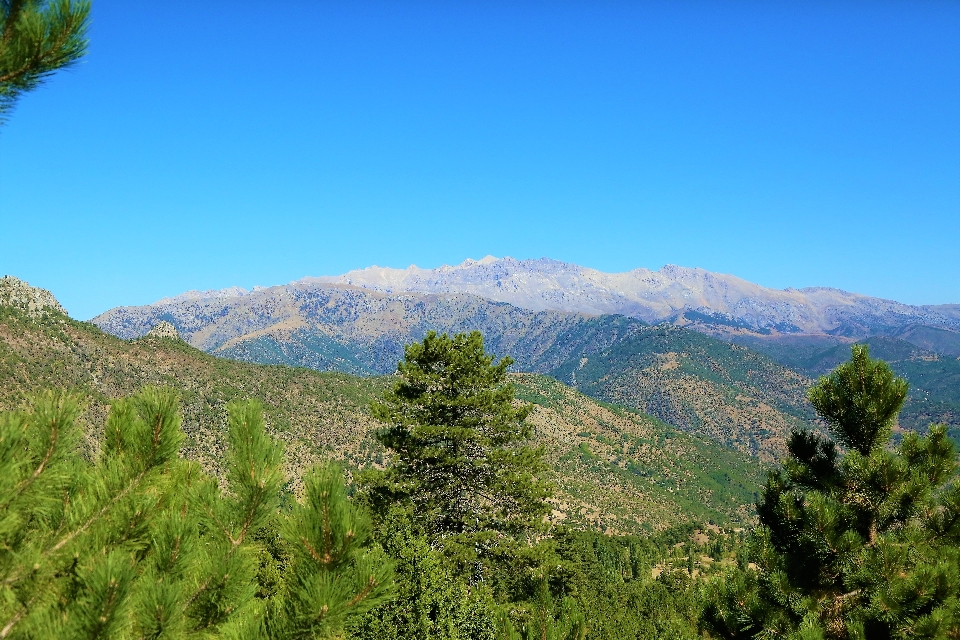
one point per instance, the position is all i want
(36, 474)
(13, 14)
(13, 621)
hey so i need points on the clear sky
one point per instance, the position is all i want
(209, 144)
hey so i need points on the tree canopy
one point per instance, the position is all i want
(855, 543)
(461, 458)
(140, 543)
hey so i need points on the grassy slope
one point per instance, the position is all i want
(620, 469)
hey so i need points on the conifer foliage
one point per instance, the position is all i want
(857, 544)
(460, 461)
(142, 544)
(37, 37)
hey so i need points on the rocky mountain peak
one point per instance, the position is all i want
(717, 303)
(16, 293)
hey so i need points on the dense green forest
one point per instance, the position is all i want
(448, 536)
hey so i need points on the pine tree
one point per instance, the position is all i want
(38, 37)
(433, 602)
(862, 542)
(460, 455)
(333, 573)
(142, 544)
(546, 619)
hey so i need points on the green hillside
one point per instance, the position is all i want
(726, 392)
(617, 469)
(537, 341)
(934, 376)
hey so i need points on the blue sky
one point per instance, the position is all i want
(208, 144)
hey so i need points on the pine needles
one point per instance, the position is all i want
(142, 544)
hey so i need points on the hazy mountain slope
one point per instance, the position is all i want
(621, 470)
(934, 377)
(932, 339)
(792, 351)
(332, 327)
(727, 304)
(727, 392)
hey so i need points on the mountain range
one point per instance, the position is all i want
(334, 327)
(727, 359)
(713, 302)
(672, 400)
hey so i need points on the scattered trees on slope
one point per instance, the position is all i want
(857, 539)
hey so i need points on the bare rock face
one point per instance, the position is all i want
(20, 295)
(709, 302)
(164, 329)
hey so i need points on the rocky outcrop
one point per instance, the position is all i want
(34, 301)
(164, 329)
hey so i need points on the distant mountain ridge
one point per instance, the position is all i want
(359, 323)
(710, 302)
(332, 327)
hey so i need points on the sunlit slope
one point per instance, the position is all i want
(737, 397)
(315, 414)
(623, 469)
(614, 468)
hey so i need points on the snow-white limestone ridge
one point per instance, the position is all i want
(682, 294)
(35, 301)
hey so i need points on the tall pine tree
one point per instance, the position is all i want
(858, 542)
(461, 459)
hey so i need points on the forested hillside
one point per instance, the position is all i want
(735, 396)
(659, 476)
